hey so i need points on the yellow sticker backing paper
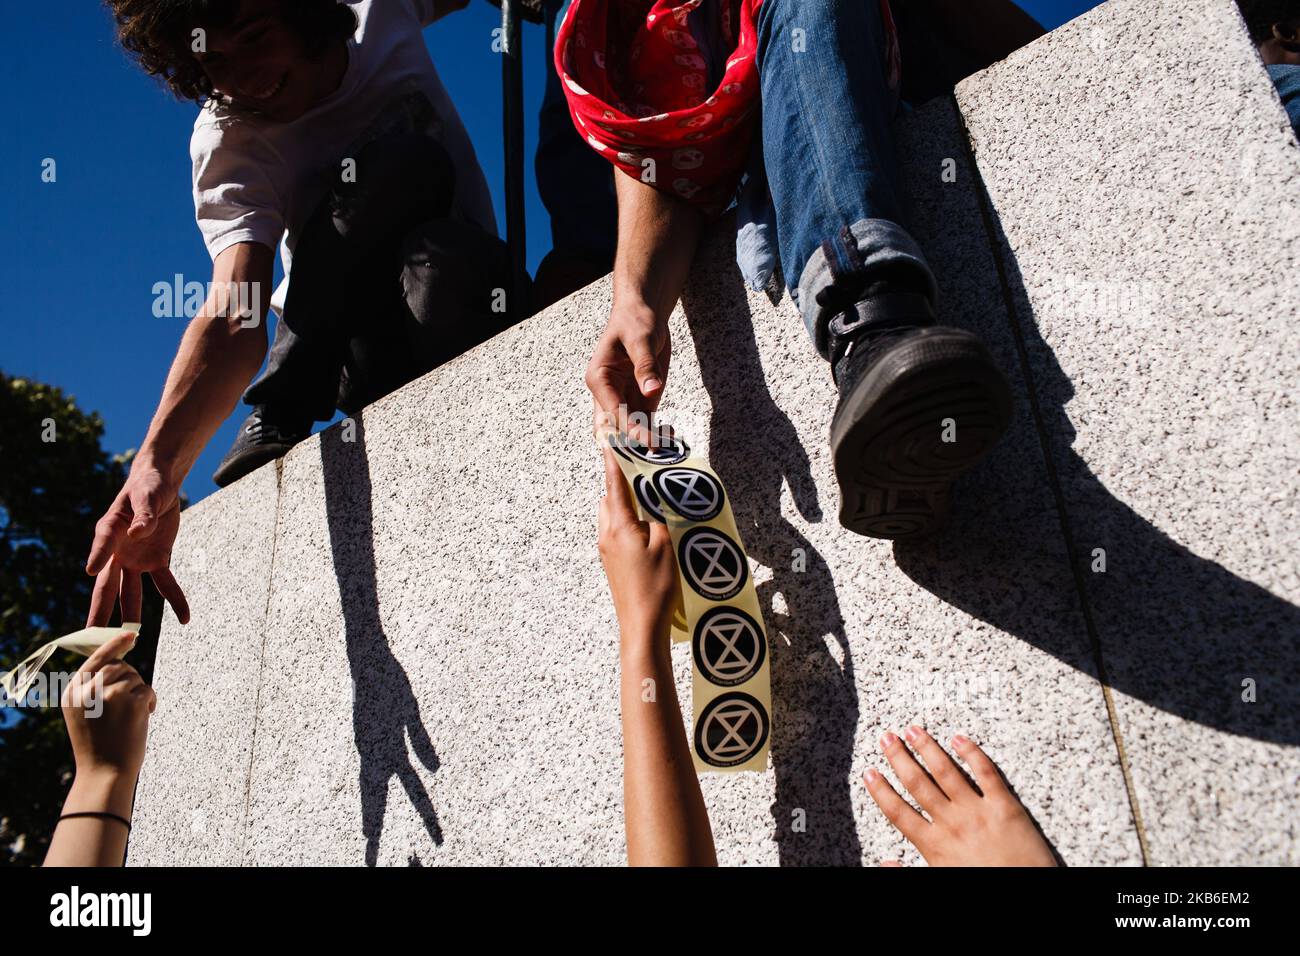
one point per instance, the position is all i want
(731, 671)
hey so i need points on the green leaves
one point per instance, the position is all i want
(55, 482)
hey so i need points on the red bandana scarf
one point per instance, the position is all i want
(635, 76)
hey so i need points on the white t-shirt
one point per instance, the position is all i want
(256, 180)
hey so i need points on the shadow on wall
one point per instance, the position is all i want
(1177, 631)
(384, 709)
(814, 695)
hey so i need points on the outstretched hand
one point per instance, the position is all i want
(967, 827)
(106, 706)
(134, 538)
(630, 365)
(638, 560)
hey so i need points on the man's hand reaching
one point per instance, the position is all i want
(630, 363)
(657, 236)
(218, 356)
(134, 538)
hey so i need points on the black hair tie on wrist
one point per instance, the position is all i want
(106, 816)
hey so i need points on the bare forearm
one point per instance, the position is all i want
(219, 354)
(657, 239)
(213, 366)
(667, 823)
(93, 841)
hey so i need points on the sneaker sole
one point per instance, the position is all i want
(887, 439)
(236, 467)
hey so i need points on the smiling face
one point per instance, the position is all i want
(261, 65)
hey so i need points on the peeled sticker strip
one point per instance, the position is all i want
(85, 642)
(730, 664)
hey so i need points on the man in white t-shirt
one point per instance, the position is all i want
(324, 129)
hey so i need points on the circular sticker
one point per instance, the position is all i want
(731, 729)
(669, 451)
(729, 646)
(645, 494)
(712, 563)
(693, 494)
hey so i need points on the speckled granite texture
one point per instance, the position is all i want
(1155, 284)
(192, 799)
(406, 650)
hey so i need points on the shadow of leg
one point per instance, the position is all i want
(813, 692)
(1164, 625)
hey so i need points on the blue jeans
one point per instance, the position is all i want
(828, 154)
(1287, 80)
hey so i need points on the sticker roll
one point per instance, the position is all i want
(648, 509)
(85, 642)
(719, 613)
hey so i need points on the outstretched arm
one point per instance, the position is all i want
(219, 354)
(106, 707)
(667, 823)
(664, 814)
(657, 238)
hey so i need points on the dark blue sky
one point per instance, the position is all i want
(80, 256)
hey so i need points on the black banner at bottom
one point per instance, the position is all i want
(306, 905)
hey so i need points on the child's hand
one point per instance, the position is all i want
(639, 562)
(968, 828)
(106, 707)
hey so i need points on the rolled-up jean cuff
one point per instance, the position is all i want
(879, 244)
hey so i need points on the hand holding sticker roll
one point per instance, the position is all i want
(720, 616)
(663, 809)
(87, 641)
(638, 560)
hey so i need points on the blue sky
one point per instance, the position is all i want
(80, 256)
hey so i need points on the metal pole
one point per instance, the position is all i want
(512, 86)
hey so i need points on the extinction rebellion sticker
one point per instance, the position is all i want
(718, 612)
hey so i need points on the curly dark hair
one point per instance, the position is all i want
(156, 34)
(1261, 15)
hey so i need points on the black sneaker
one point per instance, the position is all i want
(920, 403)
(260, 440)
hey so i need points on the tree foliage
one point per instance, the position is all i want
(55, 482)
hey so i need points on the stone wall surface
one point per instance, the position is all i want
(402, 649)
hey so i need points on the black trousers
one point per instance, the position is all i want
(384, 286)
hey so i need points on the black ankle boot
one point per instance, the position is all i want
(919, 404)
(264, 437)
